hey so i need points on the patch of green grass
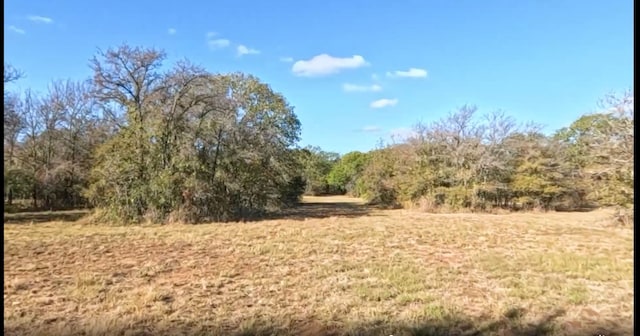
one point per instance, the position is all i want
(436, 311)
(375, 292)
(577, 294)
(573, 265)
(569, 264)
(522, 289)
(407, 298)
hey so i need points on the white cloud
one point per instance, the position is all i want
(244, 50)
(17, 30)
(375, 77)
(214, 43)
(286, 59)
(371, 129)
(40, 19)
(325, 64)
(172, 31)
(380, 103)
(218, 43)
(413, 73)
(361, 88)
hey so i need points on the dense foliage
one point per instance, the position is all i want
(464, 162)
(137, 142)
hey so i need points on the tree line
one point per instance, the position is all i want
(141, 141)
(471, 162)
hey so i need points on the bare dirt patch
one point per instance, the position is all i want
(375, 272)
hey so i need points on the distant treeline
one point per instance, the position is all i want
(480, 163)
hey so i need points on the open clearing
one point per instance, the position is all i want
(330, 267)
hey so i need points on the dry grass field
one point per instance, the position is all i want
(329, 267)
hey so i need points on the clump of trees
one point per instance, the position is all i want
(200, 146)
(138, 142)
(327, 173)
(470, 162)
(345, 173)
(48, 144)
(316, 165)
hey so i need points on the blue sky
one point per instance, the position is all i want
(356, 71)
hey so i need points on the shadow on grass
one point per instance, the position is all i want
(44, 216)
(510, 324)
(586, 208)
(325, 210)
(302, 211)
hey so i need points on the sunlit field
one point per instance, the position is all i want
(344, 269)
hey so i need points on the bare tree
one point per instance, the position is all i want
(127, 76)
(11, 74)
(13, 122)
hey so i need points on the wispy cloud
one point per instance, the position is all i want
(412, 73)
(17, 30)
(216, 43)
(371, 129)
(286, 59)
(402, 133)
(375, 77)
(380, 103)
(361, 88)
(244, 50)
(40, 19)
(172, 31)
(325, 64)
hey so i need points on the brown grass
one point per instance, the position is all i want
(392, 272)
